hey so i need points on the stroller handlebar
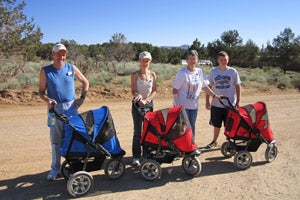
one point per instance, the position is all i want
(140, 110)
(61, 117)
(229, 103)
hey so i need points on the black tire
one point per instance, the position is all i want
(191, 165)
(66, 170)
(271, 152)
(243, 160)
(114, 169)
(228, 149)
(151, 170)
(80, 183)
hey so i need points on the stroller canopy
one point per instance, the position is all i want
(167, 126)
(250, 121)
(256, 116)
(94, 127)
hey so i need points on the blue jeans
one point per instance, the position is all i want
(192, 115)
(57, 132)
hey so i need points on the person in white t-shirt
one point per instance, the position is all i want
(224, 81)
(187, 86)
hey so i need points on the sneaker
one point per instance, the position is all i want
(52, 175)
(211, 145)
(136, 162)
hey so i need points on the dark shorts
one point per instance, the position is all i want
(217, 116)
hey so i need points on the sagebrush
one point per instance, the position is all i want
(118, 75)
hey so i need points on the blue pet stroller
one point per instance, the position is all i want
(89, 139)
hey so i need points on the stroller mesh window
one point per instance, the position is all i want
(107, 131)
(266, 119)
(88, 119)
(252, 113)
(179, 127)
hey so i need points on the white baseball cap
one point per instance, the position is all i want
(145, 54)
(59, 47)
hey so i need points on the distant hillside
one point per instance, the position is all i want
(185, 47)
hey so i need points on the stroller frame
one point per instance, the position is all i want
(156, 154)
(239, 147)
(76, 166)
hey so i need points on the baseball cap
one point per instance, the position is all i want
(59, 47)
(193, 52)
(145, 54)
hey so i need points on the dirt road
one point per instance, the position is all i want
(25, 158)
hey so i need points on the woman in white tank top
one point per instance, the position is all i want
(143, 89)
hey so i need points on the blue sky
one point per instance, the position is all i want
(162, 22)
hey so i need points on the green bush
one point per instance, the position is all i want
(126, 69)
(296, 82)
(28, 78)
(101, 78)
(118, 74)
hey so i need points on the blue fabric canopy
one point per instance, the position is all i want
(94, 126)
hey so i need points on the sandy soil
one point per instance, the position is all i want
(25, 158)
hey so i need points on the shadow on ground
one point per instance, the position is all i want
(35, 186)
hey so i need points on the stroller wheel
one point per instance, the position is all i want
(243, 160)
(227, 149)
(271, 152)
(80, 183)
(66, 170)
(151, 169)
(191, 165)
(114, 169)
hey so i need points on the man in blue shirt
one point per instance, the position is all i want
(56, 87)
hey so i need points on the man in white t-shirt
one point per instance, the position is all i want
(187, 86)
(224, 81)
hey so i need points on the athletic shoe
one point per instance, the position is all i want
(136, 162)
(52, 175)
(211, 145)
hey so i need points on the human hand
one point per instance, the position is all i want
(218, 97)
(207, 105)
(138, 98)
(142, 102)
(51, 103)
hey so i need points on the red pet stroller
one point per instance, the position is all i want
(167, 135)
(246, 129)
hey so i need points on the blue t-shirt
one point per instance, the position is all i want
(60, 83)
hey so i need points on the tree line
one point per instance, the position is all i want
(22, 37)
(284, 51)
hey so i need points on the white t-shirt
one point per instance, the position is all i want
(189, 85)
(223, 82)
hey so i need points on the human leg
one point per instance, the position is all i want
(192, 115)
(216, 122)
(137, 130)
(216, 134)
(56, 135)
